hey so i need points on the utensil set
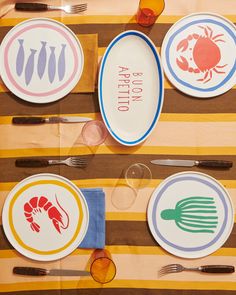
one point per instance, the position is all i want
(72, 9)
(53, 119)
(79, 162)
(174, 268)
(191, 163)
(35, 271)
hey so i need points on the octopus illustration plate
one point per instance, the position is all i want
(190, 215)
(197, 55)
(41, 60)
(45, 217)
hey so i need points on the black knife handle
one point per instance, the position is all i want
(31, 6)
(31, 163)
(28, 120)
(29, 271)
(214, 164)
(217, 268)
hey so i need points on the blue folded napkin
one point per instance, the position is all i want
(95, 236)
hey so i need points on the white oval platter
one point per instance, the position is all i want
(131, 87)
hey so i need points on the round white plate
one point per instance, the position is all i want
(197, 54)
(131, 87)
(41, 60)
(45, 217)
(190, 214)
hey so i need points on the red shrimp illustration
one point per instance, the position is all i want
(36, 205)
(205, 54)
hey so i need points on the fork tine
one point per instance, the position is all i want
(170, 268)
(78, 8)
(78, 162)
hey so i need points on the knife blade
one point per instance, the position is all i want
(191, 163)
(36, 271)
(53, 119)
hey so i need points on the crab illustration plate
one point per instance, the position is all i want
(41, 60)
(45, 217)
(197, 55)
(190, 214)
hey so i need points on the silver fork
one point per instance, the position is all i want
(174, 268)
(79, 162)
(44, 7)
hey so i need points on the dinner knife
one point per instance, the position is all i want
(53, 119)
(191, 163)
(35, 271)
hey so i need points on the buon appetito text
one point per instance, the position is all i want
(129, 88)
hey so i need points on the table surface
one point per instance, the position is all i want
(188, 128)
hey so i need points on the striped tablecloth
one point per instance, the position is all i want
(188, 127)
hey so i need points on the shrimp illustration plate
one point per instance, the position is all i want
(197, 54)
(190, 214)
(45, 217)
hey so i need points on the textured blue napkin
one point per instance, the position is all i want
(95, 236)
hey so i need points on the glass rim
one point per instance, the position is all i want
(111, 261)
(143, 166)
(98, 124)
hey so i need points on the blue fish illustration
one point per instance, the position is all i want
(20, 59)
(52, 65)
(42, 59)
(61, 63)
(29, 69)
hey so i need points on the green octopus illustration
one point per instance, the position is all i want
(194, 214)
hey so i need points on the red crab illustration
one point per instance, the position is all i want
(205, 54)
(37, 204)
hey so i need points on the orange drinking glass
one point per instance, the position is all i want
(148, 11)
(102, 269)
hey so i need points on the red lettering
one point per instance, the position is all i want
(123, 69)
(137, 90)
(137, 74)
(124, 75)
(136, 98)
(123, 85)
(123, 108)
(137, 82)
(125, 81)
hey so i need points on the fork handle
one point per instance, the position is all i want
(31, 6)
(31, 163)
(217, 268)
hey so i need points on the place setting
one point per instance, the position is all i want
(46, 217)
(196, 55)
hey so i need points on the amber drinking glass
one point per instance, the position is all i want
(148, 11)
(103, 268)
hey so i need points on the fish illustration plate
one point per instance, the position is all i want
(45, 217)
(41, 60)
(197, 55)
(190, 214)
